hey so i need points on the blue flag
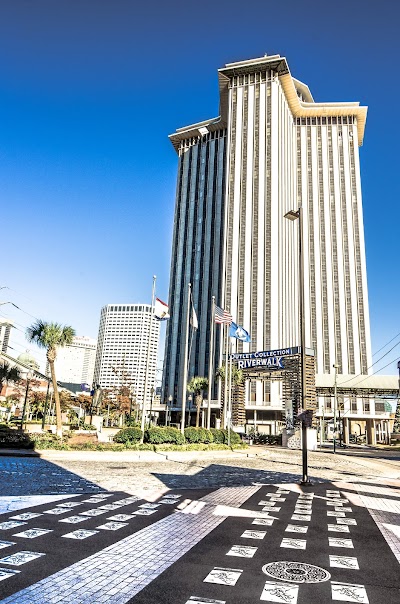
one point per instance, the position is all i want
(239, 333)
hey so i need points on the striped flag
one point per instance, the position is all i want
(161, 310)
(222, 316)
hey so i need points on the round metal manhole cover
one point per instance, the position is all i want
(296, 572)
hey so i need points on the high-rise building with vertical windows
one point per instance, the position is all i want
(122, 348)
(271, 149)
(75, 362)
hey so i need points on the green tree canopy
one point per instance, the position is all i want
(196, 385)
(237, 374)
(9, 374)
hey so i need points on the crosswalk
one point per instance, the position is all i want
(234, 545)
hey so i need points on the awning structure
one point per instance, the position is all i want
(360, 385)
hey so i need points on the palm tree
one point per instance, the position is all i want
(51, 336)
(197, 385)
(238, 410)
(9, 374)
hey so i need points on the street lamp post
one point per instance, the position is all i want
(190, 398)
(335, 408)
(151, 404)
(46, 405)
(168, 410)
(29, 375)
(298, 215)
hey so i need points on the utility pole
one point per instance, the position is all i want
(146, 380)
(334, 408)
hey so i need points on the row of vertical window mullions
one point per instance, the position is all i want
(359, 285)
(267, 223)
(254, 299)
(347, 285)
(229, 250)
(211, 208)
(326, 120)
(324, 292)
(178, 294)
(170, 336)
(311, 242)
(242, 219)
(198, 214)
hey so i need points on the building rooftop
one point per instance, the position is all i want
(298, 95)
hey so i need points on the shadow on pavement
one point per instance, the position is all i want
(215, 475)
(34, 476)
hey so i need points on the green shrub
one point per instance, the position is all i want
(234, 437)
(83, 426)
(221, 437)
(49, 441)
(128, 435)
(130, 422)
(269, 439)
(14, 439)
(198, 435)
(159, 435)
(190, 447)
(192, 435)
(218, 436)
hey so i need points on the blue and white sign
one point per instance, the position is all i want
(265, 354)
(270, 359)
(270, 363)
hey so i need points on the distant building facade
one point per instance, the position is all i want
(122, 348)
(75, 363)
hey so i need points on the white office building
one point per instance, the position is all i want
(123, 348)
(272, 149)
(75, 363)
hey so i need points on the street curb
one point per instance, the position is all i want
(19, 453)
(137, 456)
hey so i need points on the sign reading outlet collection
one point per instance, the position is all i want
(272, 359)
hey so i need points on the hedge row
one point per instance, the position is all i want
(159, 435)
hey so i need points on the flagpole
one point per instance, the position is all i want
(185, 359)
(146, 379)
(230, 395)
(226, 375)
(211, 362)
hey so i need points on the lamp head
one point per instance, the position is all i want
(292, 215)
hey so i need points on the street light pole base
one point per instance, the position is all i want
(305, 483)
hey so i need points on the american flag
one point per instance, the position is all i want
(222, 316)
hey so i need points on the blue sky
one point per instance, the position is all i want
(90, 90)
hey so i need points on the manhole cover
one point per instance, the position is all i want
(296, 572)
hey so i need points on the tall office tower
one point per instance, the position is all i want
(271, 149)
(75, 363)
(122, 348)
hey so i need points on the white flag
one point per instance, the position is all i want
(161, 310)
(194, 322)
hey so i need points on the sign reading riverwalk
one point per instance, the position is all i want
(271, 359)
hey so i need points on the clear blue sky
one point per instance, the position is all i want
(90, 90)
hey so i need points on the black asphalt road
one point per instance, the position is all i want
(378, 568)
